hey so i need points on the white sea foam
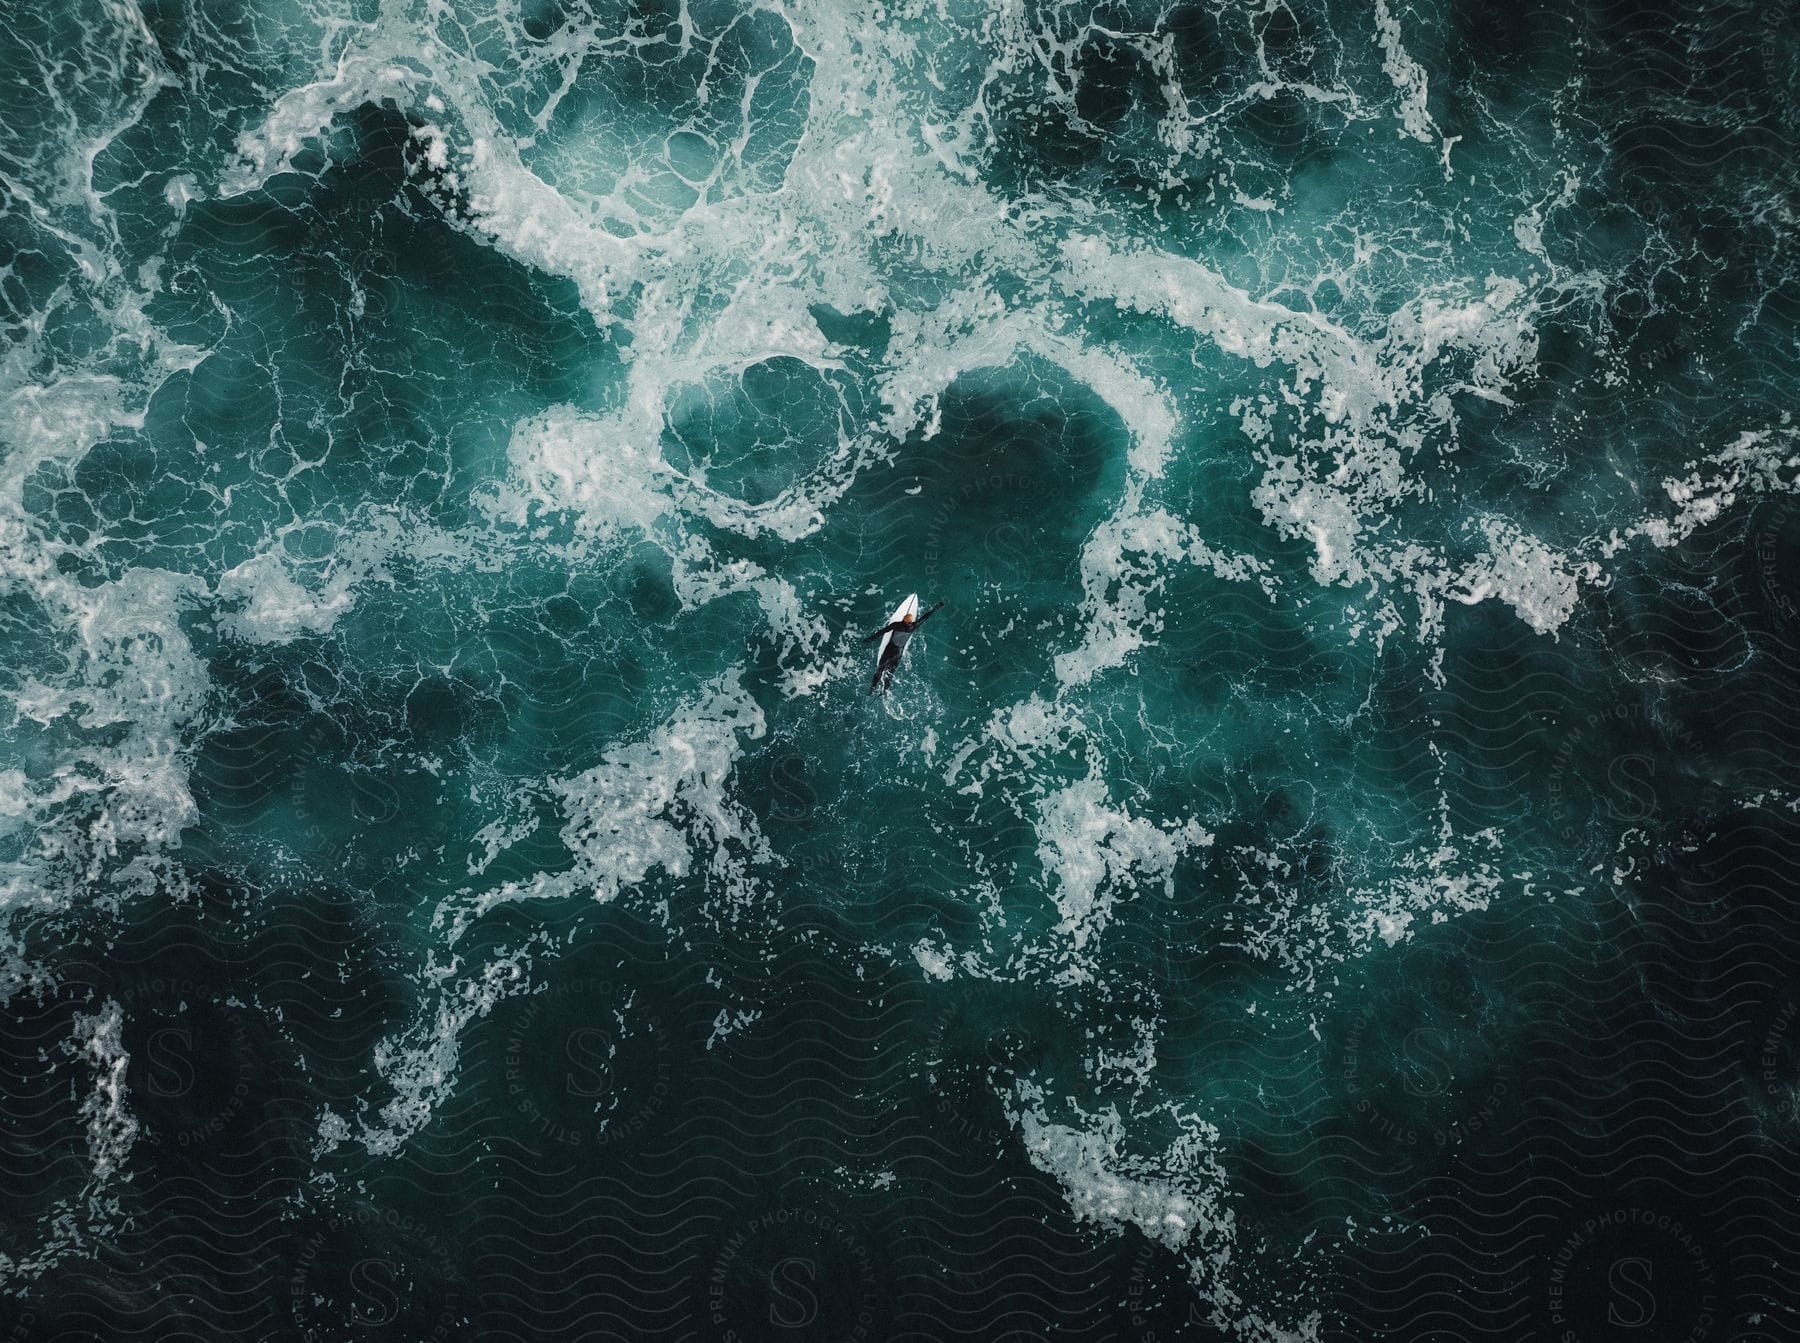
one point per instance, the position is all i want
(1537, 582)
(419, 1064)
(504, 202)
(1094, 850)
(728, 1023)
(660, 803)
(76, 1225)
(1175, 1200)
(1121, 565)
(107, 808)
(1756, 462)
(1359, 385)
(1433, 884)
(275, 608)
(1407, 75)
(1430, 883)
(933, 960)
(133, 671)
(276, 596)
(112, 1129)
(1176, 1195)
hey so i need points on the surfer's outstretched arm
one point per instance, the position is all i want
(903, 625)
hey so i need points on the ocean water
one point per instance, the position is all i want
(1327, 872)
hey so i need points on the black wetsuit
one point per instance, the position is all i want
(890, 656)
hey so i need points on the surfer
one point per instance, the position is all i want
(907, 623)
(893, 636)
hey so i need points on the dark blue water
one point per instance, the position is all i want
(1327, 872)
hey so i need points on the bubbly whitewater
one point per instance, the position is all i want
(1326, 872)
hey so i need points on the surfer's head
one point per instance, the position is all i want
(906, 619)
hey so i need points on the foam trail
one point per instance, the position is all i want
(660, 804)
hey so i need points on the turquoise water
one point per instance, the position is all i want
(1326, 871)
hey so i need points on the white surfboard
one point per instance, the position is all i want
(887, 656)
